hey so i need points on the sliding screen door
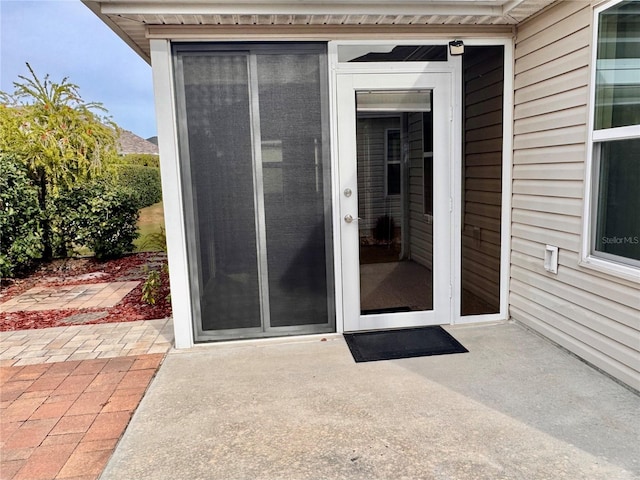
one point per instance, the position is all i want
(255, 163)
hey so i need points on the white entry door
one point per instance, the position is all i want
(394, 143)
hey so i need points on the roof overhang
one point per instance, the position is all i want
(138, 21)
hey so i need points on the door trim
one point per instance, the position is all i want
(454, 65)
(347, 83)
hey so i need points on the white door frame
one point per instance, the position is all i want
(347, 81)
(172, 185)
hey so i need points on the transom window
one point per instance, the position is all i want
(392, 53)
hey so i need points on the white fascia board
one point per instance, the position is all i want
(306, 8)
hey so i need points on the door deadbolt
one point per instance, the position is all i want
(347, 192)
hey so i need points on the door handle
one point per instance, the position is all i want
(348, 218)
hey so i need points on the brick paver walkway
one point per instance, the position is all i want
(63, 420)
(94, 295)
(68, 393)
(84, 342)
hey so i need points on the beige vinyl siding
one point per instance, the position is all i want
(372, 200)
(420, 227)
(592, 314)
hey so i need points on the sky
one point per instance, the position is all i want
(63, 38)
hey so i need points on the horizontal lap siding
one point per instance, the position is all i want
(372, 199)
(482, 175)
(590, 313)
(421, 236)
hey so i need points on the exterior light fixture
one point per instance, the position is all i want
(456, 47)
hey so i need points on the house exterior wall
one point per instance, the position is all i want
(420, 225)
(373, 202)
(592, 314)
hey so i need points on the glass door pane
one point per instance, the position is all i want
(481, 239)
(395, 234)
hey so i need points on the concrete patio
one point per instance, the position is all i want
(514, 407)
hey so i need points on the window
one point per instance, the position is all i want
(392, 159)
(618, 67)
(427, 163)
(615, 169)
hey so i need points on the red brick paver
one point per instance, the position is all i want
(63, 420)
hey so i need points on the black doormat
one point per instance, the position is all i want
(403, 343)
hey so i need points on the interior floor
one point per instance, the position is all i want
(399, 286)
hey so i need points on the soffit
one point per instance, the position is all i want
(132, 20)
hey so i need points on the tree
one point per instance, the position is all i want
(59, 137)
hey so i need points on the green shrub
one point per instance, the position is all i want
(98, 215)
(141, 159)
(20, 214)
(151, 287)
(144, 183)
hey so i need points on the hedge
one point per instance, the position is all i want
(98, 215)
(141, 159)
(143, 182)
(20, 214)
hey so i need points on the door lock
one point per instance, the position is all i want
(348, 218)
(347, 192)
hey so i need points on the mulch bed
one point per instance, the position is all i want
(80, 271)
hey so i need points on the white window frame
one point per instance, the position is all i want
(425, 211)
(428, 215)
(387, 131)
(589, 258)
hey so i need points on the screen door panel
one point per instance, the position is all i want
(253, 124)
(216, 87)
(293, 163)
